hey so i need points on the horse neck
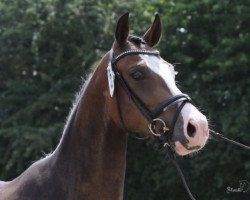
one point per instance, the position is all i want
(92, 153)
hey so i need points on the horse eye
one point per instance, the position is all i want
(137, 75)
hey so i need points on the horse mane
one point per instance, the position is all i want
(71, 116)
(78, 95)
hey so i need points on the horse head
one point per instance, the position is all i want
(143, 93)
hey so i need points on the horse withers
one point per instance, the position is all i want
(132, 90)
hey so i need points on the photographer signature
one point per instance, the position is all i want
(244, 186)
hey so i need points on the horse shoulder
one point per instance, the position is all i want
(34, 183)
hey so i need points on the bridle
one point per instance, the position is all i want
(152, 117)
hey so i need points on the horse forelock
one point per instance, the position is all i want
(136, 40)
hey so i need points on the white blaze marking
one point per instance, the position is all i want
(164, 70)
(189, 112)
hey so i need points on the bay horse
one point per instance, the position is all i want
(120, 96)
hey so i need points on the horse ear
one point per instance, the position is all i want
(122, 29)
(153, 34)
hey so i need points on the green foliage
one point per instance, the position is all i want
(209, 41)
(46, 45)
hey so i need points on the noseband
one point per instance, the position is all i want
(151, 116)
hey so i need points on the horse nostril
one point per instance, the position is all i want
(191, 130)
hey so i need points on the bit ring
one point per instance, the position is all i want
(151, 127)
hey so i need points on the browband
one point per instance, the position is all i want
(133, 51)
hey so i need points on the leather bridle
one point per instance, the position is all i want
(150, 115)
(165, 133)
(153, 116)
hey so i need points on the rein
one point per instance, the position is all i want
(219, 137)
(152, 116)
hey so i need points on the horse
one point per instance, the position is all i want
(132, 90)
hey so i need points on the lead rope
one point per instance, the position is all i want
(172, 157)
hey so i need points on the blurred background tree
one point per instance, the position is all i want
(47, 46)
